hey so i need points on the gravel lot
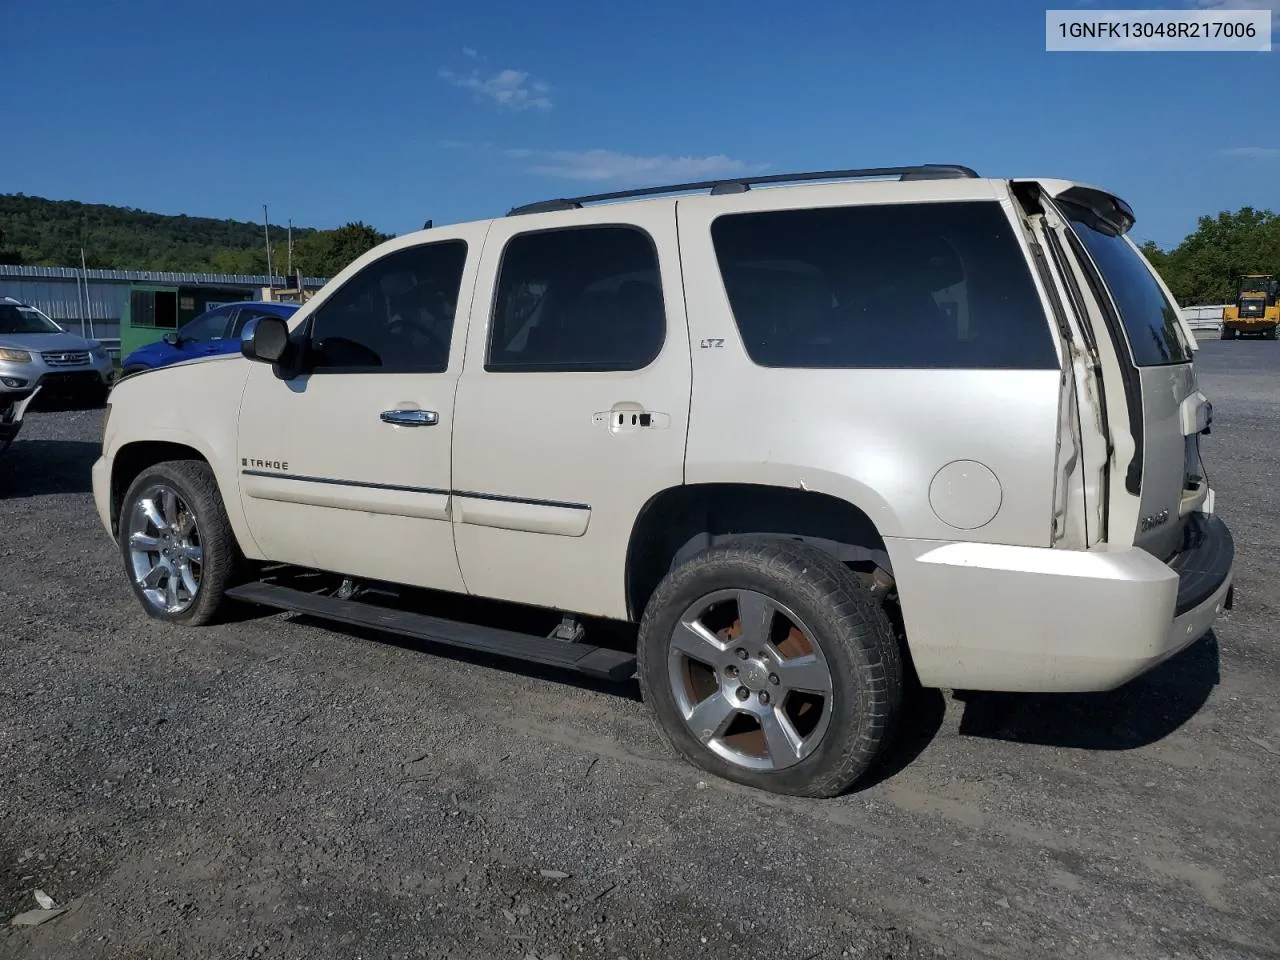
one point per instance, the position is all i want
(280, 788)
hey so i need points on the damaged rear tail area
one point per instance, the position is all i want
(1129, 469)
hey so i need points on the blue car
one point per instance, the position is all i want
(211, 334)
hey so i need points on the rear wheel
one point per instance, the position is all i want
(1228, 333)
(767, 663)
(179, 551)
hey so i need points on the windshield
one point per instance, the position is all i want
(1255, 286)
(1150, 320)
(17, 319)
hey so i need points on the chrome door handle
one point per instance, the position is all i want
(410, 418)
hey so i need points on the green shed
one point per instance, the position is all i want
(154, 310)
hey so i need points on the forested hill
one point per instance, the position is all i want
(43, 232)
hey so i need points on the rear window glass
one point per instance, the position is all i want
(1150, 320)
(932, 285)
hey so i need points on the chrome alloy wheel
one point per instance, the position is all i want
(750, 683)
(165, 550)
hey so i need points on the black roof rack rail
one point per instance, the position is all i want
(927, 171)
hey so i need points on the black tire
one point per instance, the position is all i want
(221, 559)
(848, 626)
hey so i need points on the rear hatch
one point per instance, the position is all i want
(1167, 410)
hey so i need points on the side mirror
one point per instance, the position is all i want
(266, 340)
(172, 339)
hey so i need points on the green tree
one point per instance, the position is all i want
(235, 261)
(325, 252)
(10, 257)
(1203, 268)
(51, 233)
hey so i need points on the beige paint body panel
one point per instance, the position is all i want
(993, 617)
(875, 438)
(537, 437)
(357, 496)
(396, 503)
(548, 518)
(195, 405)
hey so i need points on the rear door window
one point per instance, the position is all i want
(578, 299)
(1150, 321)
(923, 285)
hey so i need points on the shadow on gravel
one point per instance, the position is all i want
(32, 468)
(1141, 712)
(922, 716)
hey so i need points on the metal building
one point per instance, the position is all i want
(92, 302)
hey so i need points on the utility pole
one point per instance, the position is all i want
(84, 277)
(88, 303)
(289, 272)
(266, 232)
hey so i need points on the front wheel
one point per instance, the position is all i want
(178, 547)
(768, 663)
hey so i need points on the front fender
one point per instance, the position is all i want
(196, 406)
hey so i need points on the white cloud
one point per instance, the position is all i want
(609, 166)
(1241, 5)
(470, 53)
(510, 89)
(1252, 153)
(612, 167)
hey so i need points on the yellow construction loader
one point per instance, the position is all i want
(1256, 310)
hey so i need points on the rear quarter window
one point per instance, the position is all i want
(931, 285)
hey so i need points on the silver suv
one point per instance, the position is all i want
(809, 439)
(35, 352)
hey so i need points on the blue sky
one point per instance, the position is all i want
(393, 111)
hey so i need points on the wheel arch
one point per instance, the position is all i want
(133, 458)
(680, 521)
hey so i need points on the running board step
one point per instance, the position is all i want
(579, 657)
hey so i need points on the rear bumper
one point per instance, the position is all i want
(1204, 563)
(993, 617)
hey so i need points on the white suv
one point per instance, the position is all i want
(810, 438)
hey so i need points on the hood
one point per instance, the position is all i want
(151, 352)
(40, 342)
